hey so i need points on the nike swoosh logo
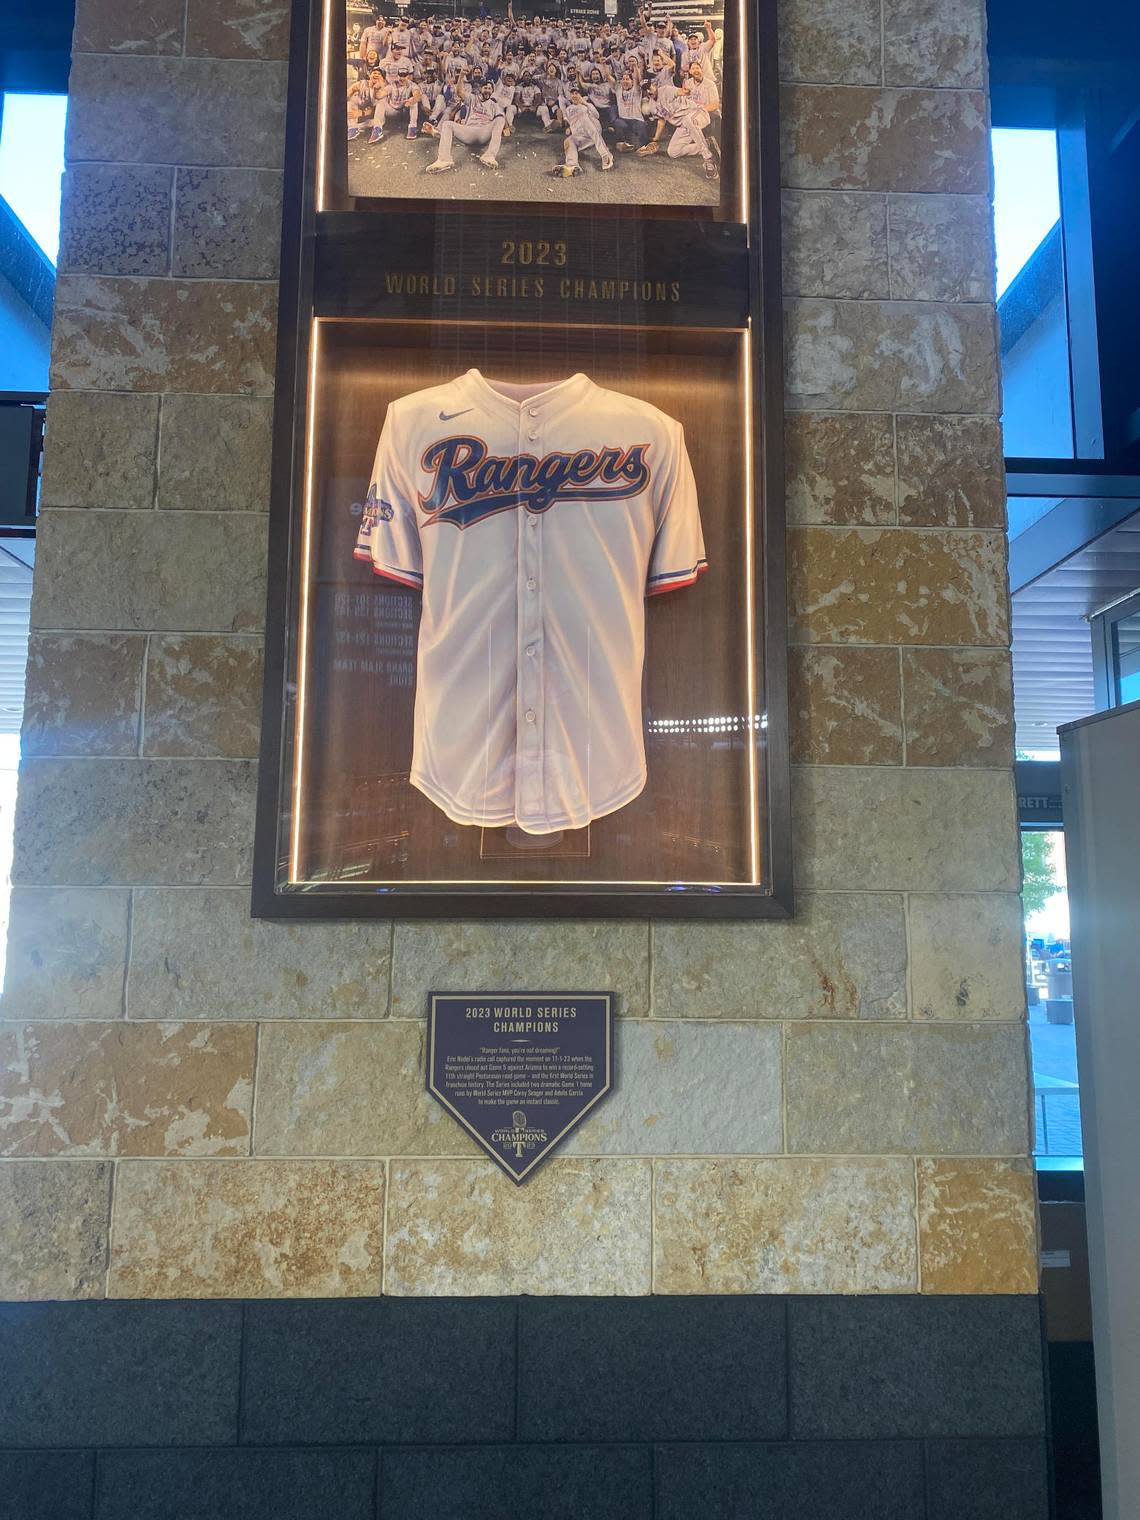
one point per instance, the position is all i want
(447, 416)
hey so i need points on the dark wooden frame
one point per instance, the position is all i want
(302, 232)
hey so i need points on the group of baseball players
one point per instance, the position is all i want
(600, 88)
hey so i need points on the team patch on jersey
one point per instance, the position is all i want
(471, 484)
(376, 509)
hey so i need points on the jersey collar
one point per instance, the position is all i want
(550, 398)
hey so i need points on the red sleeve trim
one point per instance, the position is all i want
(689, 580)
(392, 575)
(362, 555)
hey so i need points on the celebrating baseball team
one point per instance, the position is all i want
(597, 89)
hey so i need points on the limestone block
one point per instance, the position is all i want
(115, 219)
(54, 1218)
(237, 29)
(232, 475)
(227, 223)
(82, 695)
(843, 956)
(835, 244)
(115, 334)
(942, 248)
(99, 450)
(897, 586)
(123, 1089)
(840, 468)
(198, 954)
(106, 26)
(154, 570)
(944, 1089)
(783, 1225)
(92, 823)
(844, 706)
(176, 110)
(890, 356)
(851, 138)
(874, 829)
(690, 1089)
(67, 954)
(832, 41)
(203, 695)
(246, 1229)
(935, 42)
(463, 1227)
(517, 957)
(977, 1226)
(350, 1090)
(959, 706)
(951, 472)
(966, 956)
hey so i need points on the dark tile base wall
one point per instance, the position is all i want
(893, 1408)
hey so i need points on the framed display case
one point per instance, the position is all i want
(526, 645)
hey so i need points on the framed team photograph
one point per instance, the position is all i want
(597, 102)
(526, 643)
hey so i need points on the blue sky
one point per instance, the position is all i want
(31, 163)
(1026, 200)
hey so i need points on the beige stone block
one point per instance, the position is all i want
(232, 475)
(90, 823)
(67, 954)
(126, 1089)
(350, 1090)
(146, 26)
(247, 1229)
(227, 223)
(784, 1226)
(942, 248)
(851, 138)
(517, 957)
(897, 586)
(82, 695)
(54, 1219)
(835, 244)
(876, 829)
(959, 706)
(203, 695)
(867, 1089)
(840, 468)
(977, 1226)
(152, 570)
(115, 219)
(966, 956)
(237, 29)
(844, 706)
(153, 335)
(843, 956)
(951, 472)
(176, 110)
(890, 356)
(935, 42)
(199, 954)
(99, 450)
(463, 1227)
(830, 41)
(688, 1089)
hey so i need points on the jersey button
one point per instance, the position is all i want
(530, 715)
(532, 437)
(530, 650)
(532, 585)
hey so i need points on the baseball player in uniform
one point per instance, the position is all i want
(631, 128)
(688, 111)
(583, 130)
(402, 98)
(482, 127)
(536, 519)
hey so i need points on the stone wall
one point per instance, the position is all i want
(193, 1104)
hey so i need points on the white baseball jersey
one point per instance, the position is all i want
(536, 519)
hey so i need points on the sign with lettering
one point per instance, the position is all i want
(520, 1070)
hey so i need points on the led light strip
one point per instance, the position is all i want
(303, 609)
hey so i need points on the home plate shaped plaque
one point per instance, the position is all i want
(520, 1070)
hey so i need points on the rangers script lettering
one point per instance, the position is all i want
(480, 484)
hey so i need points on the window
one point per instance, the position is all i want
(1049, 985)
(31, 163)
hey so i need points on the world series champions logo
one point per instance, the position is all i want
(519, 1135)
(471, 484)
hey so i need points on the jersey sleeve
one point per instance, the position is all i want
(678, 554)
(389, 536)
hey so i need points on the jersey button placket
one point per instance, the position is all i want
(530, 794)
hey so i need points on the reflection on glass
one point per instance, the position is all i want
(1037, 419)
(1049, 985)
(1126, 658)
(31, 163)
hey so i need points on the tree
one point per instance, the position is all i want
(1038, 874)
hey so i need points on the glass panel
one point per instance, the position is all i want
(1049, 985)
(31, 163)
(1038, 416)
(1126, 657)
